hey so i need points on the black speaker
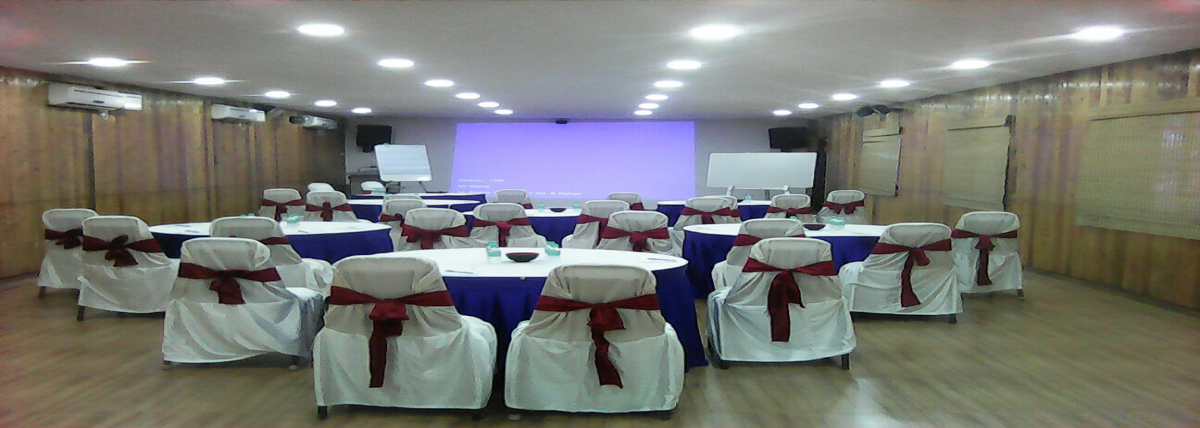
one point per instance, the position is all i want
(369, 136)
(789, 138)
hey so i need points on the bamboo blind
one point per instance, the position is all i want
(976, 163)
(879, 166)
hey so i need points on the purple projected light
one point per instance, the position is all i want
(578, 160)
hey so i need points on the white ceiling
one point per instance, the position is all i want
(583, 59)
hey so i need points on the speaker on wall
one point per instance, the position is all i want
(789, 138)
(369, 136)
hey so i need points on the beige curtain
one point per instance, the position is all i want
(976, 163)
(879, 166)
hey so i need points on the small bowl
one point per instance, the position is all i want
(814, 226)
(521, 257)
(558, 209)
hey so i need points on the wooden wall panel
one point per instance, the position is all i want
(167, 163)
(1051, 120)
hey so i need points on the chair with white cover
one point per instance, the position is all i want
(229, 304)
(789, 205)
(596, 343)
(124, 269)
(62, 264)
(850, 204)
(910, 272)
(633, 199)
(786, 306)
(514, 196)
(393, 338)
(705, 210)
(298, 272)
(280, 203)
(320, 187)
(641, 231)
(393, 213)
(986, 256)
(400, 196)
(434, 228)
(328, 206)
(374, 187)
(593, 218)
(506, 224)
(751, 232)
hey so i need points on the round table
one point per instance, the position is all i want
(472, 196)
(554, 226)
(369, 209)
(748, 209)
(504, 293)
(329, 241)
(705, 245)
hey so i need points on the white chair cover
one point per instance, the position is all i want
(297, 272)
(334, 199)
(705, 204)
(373, 187)
(739, 323)
(874, 285)
(320, 187)
(397, 208)
(789, 201)
(587, 235)
(639, 221)
(844, 197)
(633, 199)
(435, 219)
(282, 196)
(143, 288)
(518, 236)
(441, 360)
(514, 196)
(199, 329)
(62, 267)
(400, 196)
(1004, 261)
(727, 271)
(550, 360)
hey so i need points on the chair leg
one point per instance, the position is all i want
(953, 319)
(41, 292)
(322, 412)
(79, 313)
(665, 414)
(1020, 292)
(716, 359)
(295, 363)
(477, 415)
(845, 362)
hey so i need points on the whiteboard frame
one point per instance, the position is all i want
(385, 176)
(748, 170)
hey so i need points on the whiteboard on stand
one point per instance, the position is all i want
(761, 170)
(403, 162)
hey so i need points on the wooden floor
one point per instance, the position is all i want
(1066, 356)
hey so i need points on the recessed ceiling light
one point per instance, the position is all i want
(361, 110)
(668, 84)
(277, 94)
(969, 64)
(684, 64)
(808, 106)
(643, 112)
(656, 97)
(782, 112)
(396, 63)
(107, 62)
(893, 83)
(504, 112)
(715, 32)
(844, 97)
(325, 103)
(649, 106)
(489, 104)
(1098, 34)
(321, 30)
(439, 83)
(466, 96)
(209, 81)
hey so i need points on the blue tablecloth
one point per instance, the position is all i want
(703, 251)
(505, 302)
(371, 212)
(748, 212)
(329, 247)
(553, 228)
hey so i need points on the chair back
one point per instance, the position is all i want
(320, 187)
(790, 201)
(988, 222)
(110, 227)
(65, 219)
(638, 221)
(633, 199)
(859, 216)
(435, 219)
(707, 204)
(912, 235)
(596, 284)
(788, 253)
(514, 196)
(339, 209)
(281, 196)
(587, 234)
(261, 229)
(763, 228)
(224, 254)
(389, 277)
(500, 212)
(399, 207)
(373, 187)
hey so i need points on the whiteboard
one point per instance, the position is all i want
(402, 162)
(761, 170)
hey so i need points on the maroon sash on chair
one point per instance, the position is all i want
(784, 291)
(640, 240)
(275, 240)
(915, 256)
(985, 247)
(327, 209)
(387, 318)
(585, 219)
(789, 212)
(430, 237)
(846, 208)
(602, 318)
(229, 292)
(743, 240)
(637, 206)
(384, 218)
(67, 239)
(504, 226)
(281, 207)
(527, 206)
(706, 217)
(117, 250)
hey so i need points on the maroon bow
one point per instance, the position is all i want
(387, 318)
(637, 206)
(743, 240)
(275, 240)
(430, 237)
(640, 240)
(846, 208)
(504, 227)
(915, 256)
(789, 212)
(585, 219)
(229, 292)
(327, 209)
(602, 318)
(67, 239)
(117, 250)
(281, 208)
(527, 206)
(985, 247)
(784, 291)
(706, 217)
(384, 218)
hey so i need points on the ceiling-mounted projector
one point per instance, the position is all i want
(313, 122)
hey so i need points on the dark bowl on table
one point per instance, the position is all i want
(521, 257)
(558, 209)
(814, 226)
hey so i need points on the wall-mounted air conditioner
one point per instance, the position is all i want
(86, 97)
(238, 114)
(313, 122)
